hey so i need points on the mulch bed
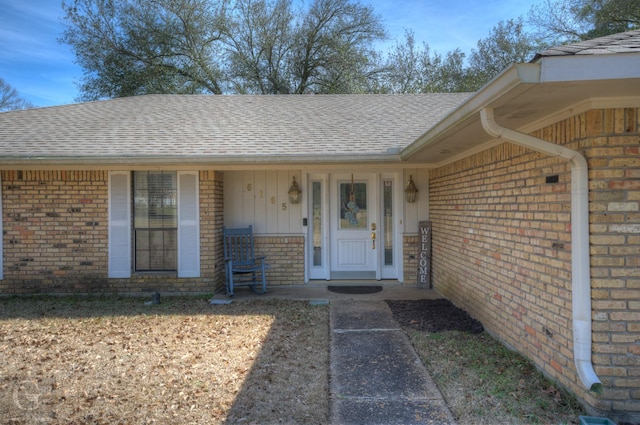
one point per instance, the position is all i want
(433, 316)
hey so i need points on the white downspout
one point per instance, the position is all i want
(580, 272)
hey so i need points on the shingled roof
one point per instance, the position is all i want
(207, 126)
(626, 42)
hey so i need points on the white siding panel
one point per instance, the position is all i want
(188, 225)
(233, 199)
(119, 224)
(273, 206)
(248, 202)
(283, 200)
(295, 211)
(410, 210)
(423, 195)
(259, 196)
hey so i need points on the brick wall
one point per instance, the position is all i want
(285, 254)
(502, 249)
(211, 222)
(411, 245)
(55, 231)
(56, 236)
(613, 152)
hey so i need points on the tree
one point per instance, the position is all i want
(333, 50)
(508, 43)
(450, 75)
(610, 16)
(413, 69)
(10, 99)
(570, 21)
(406, 66)
(131, 47)
(326, 49)
(259, 41)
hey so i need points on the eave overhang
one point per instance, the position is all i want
(528, 96)
(204, 162)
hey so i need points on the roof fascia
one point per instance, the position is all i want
(513, 78)
(196, 162)
(590, 67)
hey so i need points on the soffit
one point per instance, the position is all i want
(524, 107)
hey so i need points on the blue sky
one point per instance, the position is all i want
(43, 71)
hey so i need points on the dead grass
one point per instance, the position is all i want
(116, 361)
(485, 383)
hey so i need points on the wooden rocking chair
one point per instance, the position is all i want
(241, 265)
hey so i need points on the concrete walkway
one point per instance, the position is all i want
(376, 376)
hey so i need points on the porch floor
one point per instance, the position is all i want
(317, 291)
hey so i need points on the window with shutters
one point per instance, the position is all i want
(155, 224)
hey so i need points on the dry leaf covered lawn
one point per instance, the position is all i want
(482, 381)
(110, 360)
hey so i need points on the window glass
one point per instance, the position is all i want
(387, 195)
(316, 189)
(155, 220)
(353, 205)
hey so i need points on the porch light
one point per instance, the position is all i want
(411, 191)
(294, 192)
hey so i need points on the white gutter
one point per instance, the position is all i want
(580, 273)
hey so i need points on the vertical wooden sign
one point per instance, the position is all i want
(424, 255)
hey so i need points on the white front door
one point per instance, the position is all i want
(354, 226)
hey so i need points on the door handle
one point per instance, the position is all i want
(373, 240)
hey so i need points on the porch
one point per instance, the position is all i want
(318, 291)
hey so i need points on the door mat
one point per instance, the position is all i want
(356, 289)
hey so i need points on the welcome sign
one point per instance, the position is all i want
(424, 255)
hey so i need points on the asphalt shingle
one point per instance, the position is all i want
(186, 126)
(626, 42)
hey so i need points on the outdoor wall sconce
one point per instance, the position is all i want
(411, 191)
(294, 192)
